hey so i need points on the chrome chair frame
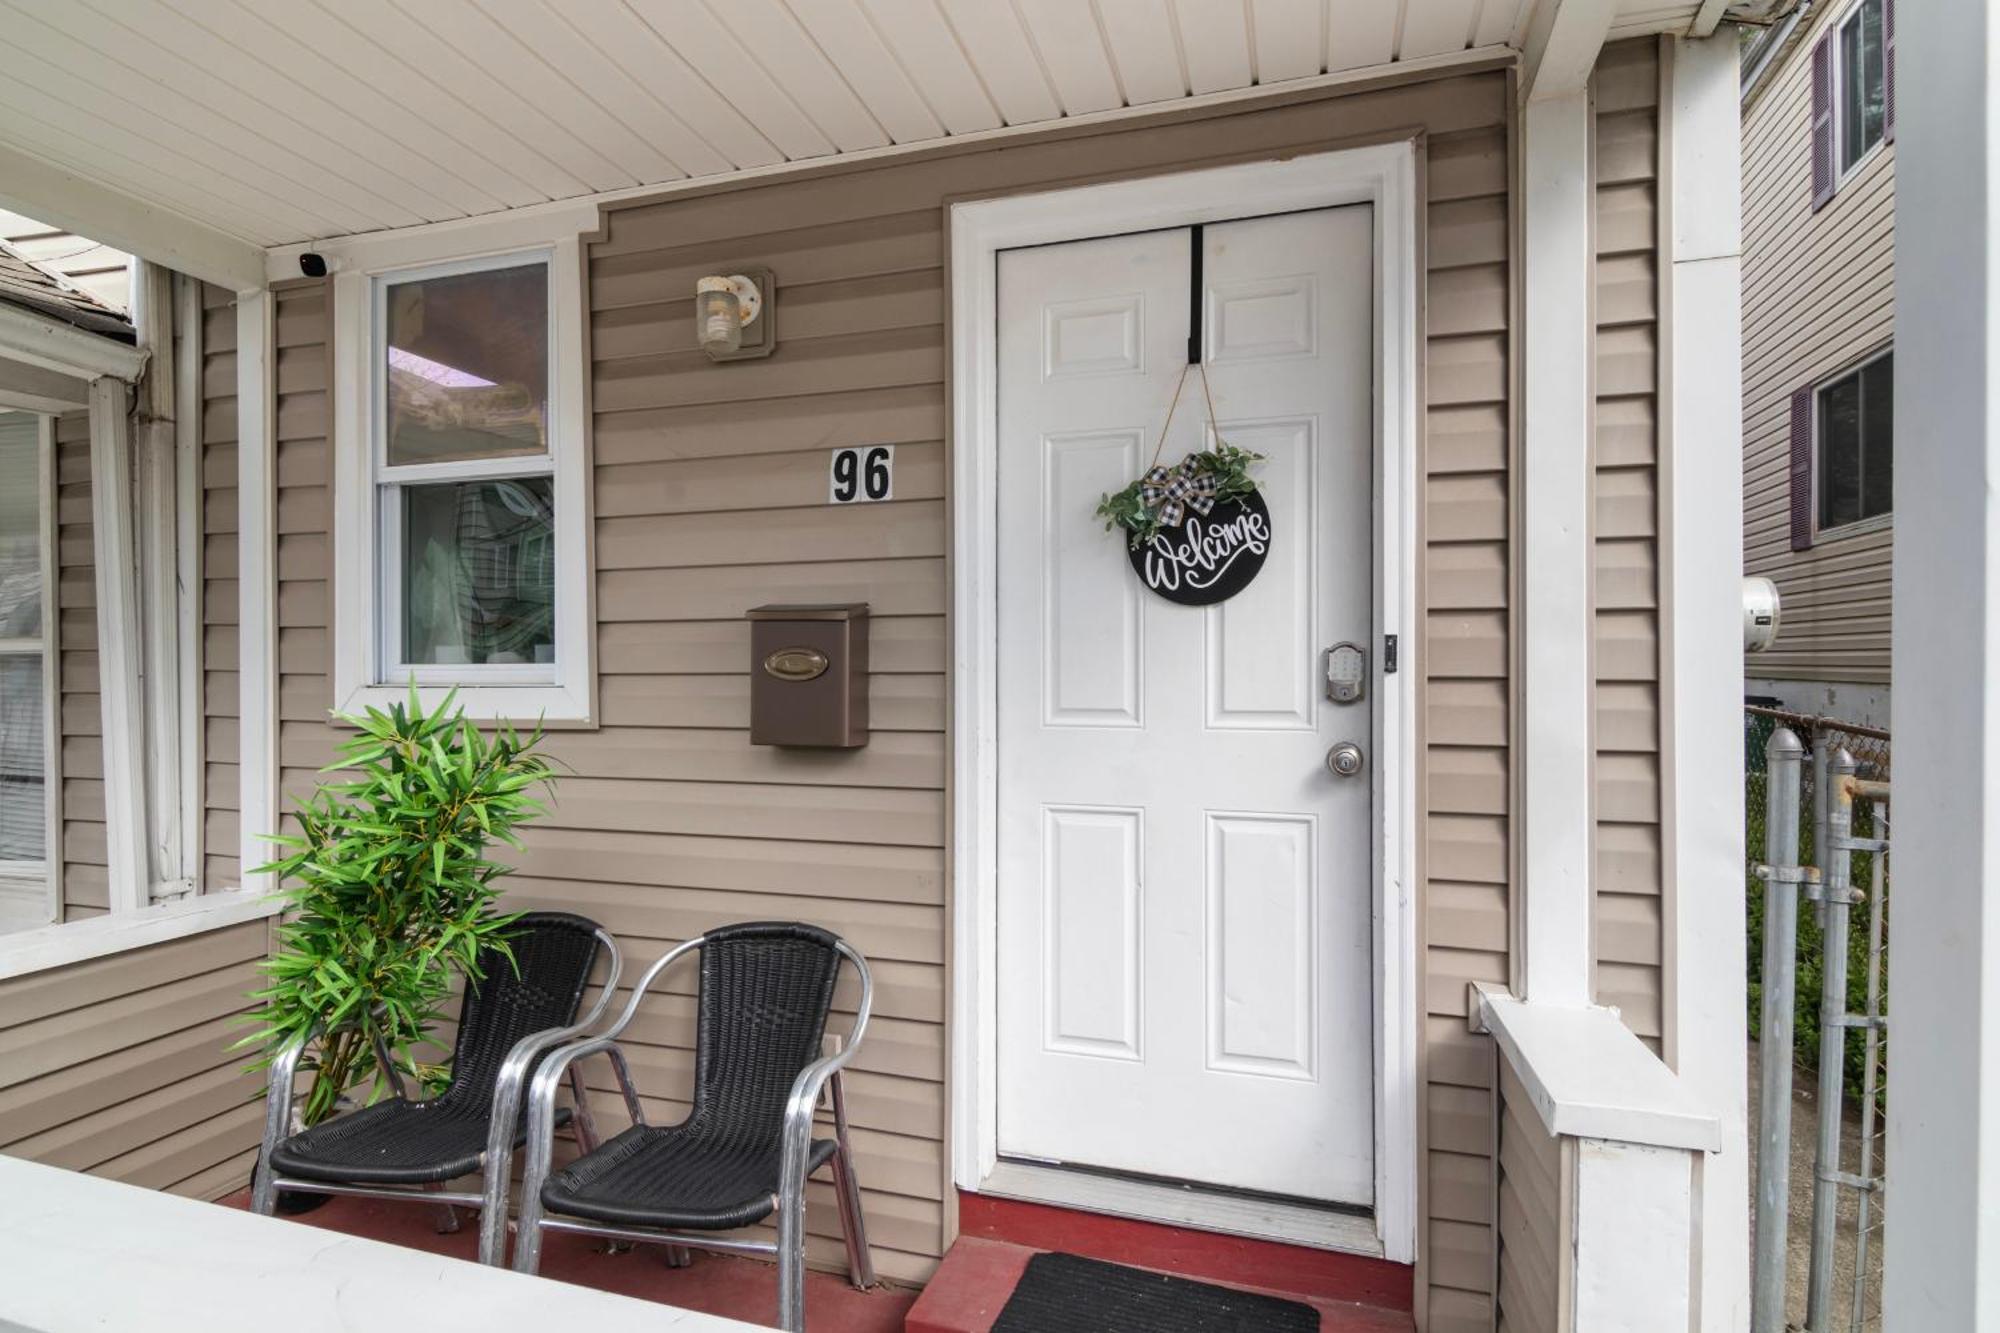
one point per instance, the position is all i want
(822, 1075)
(496, 1163)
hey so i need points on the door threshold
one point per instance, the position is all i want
(1230, 1214)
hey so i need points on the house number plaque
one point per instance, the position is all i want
(1208, 558)
(861, 475)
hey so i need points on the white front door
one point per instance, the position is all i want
(1184, 889)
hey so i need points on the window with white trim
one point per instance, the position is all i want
(463, 494)
(27, 676)
(1855, 463)
(1861, 109)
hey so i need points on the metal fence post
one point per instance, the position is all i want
(1837, 861)
(1822, 753)
(1878, 879)
(1783, 759)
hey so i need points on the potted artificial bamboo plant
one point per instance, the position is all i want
(392, 896)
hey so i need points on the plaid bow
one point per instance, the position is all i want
(1171, 491)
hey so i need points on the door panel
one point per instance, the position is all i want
(1185, 960)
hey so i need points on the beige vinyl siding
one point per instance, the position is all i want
(221, 749)
(708, 500)
(302, 331)
(1534, 1217)
(1818, 297)
(1626, 915)
(86, 885)
(120, 1066)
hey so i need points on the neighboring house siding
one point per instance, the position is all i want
(709, 488)
(121, 1066)
(1818, 296)
(1534, 1221)
(85, 880)
(1627, 905)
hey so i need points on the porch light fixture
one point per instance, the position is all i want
(731, 316)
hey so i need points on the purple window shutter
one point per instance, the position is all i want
(1889, 70)
(1801, 470)
(1822, 122)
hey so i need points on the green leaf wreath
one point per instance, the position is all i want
(1149, 503)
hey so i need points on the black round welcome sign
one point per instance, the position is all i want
(1207, 558)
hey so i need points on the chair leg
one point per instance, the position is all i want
(846, 1188)
(853, 1230)
(791, 1261)
(263, 1186)
(679, 1256)
(447, 1216)
(581, 1118)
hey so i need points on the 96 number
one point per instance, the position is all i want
(862, 474)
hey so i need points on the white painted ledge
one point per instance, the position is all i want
(80, 941)
(77, 1253)
(1590, 1078)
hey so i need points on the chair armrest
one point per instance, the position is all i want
(804, 1098)
(497, 1168)
(278, 1097)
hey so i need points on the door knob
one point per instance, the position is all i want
(1344, 760)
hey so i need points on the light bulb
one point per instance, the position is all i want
(718, 316)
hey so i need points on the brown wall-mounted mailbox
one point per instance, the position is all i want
(809, 675)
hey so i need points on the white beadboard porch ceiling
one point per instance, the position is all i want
(278, 121)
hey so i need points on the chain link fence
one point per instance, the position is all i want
(1833, 1262)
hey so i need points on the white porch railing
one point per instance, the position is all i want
(77, 1252)
(1599, 1205)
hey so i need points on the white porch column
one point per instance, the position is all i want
(122, 704)
(1942, 1254)
(1701, 572)
(1558, 206)
(257, 579)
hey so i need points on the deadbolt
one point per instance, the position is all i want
(1344, 760)
(1346, 668)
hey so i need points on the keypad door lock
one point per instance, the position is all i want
(1344, 760)
(1346, 672)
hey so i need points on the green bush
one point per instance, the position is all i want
(392, 894)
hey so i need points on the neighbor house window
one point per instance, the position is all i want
(25, 676)
(1856, 450)
(1853, 93)
(464, 486)
(1862, 107)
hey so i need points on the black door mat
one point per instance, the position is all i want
(1065, 1293)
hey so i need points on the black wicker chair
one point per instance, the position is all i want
(402, 1148)
(745, 1150)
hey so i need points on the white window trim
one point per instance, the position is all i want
(530, 693)
(1842, 175)
(45, 875)
(1384, 175)
(132, 923)
(1860, 526)
(38, 950)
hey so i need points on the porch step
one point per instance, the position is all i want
(971, 1286)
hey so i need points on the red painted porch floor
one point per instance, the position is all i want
(964, 1297)
(720, 1284)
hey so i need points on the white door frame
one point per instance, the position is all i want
(1384, 176)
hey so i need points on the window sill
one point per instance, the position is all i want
(555, 707)
(61, 945)
(1859, 528)
(1842, 179)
